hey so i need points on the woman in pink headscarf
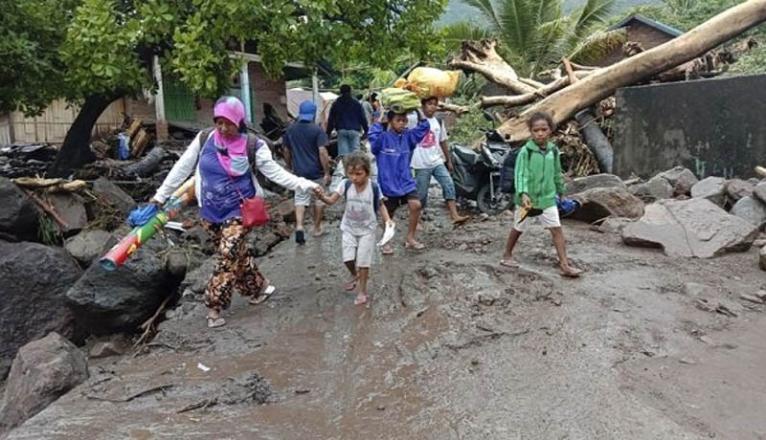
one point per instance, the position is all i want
(225, 175)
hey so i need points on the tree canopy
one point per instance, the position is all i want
(535, 34)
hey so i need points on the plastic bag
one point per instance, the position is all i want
(123, 148)
(427, 82)
(399, 100)
(141, 215)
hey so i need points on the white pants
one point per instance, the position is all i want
(549, 219)
(359, 248)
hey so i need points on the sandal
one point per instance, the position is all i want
(513, 264)
(416, 246)
(350, 286)
(215, 322)
(267, 292)
(387, 250)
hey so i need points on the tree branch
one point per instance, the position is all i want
(481, 57)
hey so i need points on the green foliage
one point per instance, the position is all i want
(469, 126)
(99, 50)
(76, 48)
(687, 14)
(536, 34)
(31, 72)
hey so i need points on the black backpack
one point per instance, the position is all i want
(508, 171)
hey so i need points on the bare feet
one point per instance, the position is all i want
(387, 250)
(318, 232)
(570, 272)
(350, 286)
(361, 298)
(460, 219)
(414, 245)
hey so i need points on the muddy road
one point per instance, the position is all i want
(452, 347)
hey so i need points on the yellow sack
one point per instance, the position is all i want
(427, 82)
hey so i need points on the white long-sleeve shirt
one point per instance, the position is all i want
(264, 163)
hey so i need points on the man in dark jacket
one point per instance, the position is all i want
(348, 119)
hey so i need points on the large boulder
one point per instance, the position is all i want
(43, 371)
(681, 179)
(750, 209)
(599, 203)
(711, 188)
(659, 188)
(71, 209)
(89, 245)
(690, 228)
(114, 195)
(107, 302)
(581, 184)
(35, 279)
(19, 217)
(760, 191)
(738, 188)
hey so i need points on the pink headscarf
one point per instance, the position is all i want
(235, 162)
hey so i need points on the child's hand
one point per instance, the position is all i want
(319, 192)
(526, 202)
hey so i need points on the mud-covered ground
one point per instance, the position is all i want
(452, 347)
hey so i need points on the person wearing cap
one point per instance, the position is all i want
(306, 155)
(224, 160)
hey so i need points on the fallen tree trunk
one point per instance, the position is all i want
(480, 56)
(528, 98)
(146, 166)
(602, 83)
(596, 140)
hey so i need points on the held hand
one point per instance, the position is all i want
(526, 202)
(327, 179)
(318, 191)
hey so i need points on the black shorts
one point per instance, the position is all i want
(394, 202)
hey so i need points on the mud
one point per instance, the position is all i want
(452, 347)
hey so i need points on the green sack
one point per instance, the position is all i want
(399, 100)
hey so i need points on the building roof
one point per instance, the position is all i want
(673, 32)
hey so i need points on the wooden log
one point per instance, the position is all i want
(563, 104)
(134, 127)
(528, 98)
(454, 108)
(146, 166)
(480, 56)
(140, 143)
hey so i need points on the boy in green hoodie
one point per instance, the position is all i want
(538, 182)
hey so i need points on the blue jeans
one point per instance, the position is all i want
(348, 141)
(441, 174)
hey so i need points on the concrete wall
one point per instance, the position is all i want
(713, 127)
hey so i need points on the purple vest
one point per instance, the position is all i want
(220, 199)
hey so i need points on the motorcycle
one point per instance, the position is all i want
(477, 173)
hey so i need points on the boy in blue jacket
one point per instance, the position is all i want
(393, 144)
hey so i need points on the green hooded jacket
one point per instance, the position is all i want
(538, 175)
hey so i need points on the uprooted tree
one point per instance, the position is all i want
(103, 49)
(582, 86)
